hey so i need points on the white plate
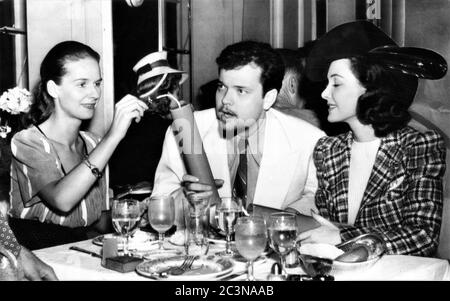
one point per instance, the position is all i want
(204, 268)
(158, 254)
(140, 240)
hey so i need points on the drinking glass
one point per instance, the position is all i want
(282, 234)
(161, 215)
(125, 217)
(251, 239)
(229, 209)
(196, 217)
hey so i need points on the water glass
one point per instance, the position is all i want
(228, 211)
(161, 215)
(125, 218)
(196, 224)
(282, 235)
(251, 240)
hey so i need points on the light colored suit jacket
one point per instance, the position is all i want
(287, 175)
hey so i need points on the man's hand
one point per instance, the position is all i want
(33, 268)
(191, 185)
(327, 232)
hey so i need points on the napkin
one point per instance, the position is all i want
(320, 250)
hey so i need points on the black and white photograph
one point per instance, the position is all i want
(225, 147)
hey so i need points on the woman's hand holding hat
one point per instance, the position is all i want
(127, 109)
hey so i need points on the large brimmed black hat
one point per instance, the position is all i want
(364, 38)
(343, 41)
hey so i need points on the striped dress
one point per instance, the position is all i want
(34, 165)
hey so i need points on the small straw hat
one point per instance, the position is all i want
(155, 64)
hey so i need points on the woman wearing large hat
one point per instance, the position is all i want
(383, 176)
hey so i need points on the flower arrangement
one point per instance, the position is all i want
(13, 102)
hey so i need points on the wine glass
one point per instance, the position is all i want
(125, 217)
(251, 239)
(228, 210)
(196, 217)
(161, 215)
(282, 235)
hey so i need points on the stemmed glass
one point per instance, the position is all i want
(228, 210)
(196, 221)
(251, 239)
(282, 235)
(161, 215)
(125, 217)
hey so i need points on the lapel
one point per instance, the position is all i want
(216, 149)
(277, 167)
(337, 177)
(387, 162)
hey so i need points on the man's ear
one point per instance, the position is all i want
(292, 84)
(52, 89)
(270, 98)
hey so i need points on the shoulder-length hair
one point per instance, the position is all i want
(388, 96)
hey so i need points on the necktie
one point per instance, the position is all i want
(240, 181)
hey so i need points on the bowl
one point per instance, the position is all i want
(340, 266)
(315, 266)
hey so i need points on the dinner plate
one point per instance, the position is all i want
(158, 254)
(139, 240)
(203, 268)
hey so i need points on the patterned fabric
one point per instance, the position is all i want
(240, 181)
(35, 164)
(403, 199)
(7, 238)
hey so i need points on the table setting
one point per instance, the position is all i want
(242, 247)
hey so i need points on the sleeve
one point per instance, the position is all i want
(418, 231)
(307, 202)
(322, 192)
(169, 174)
(35, 165)
(7, 238)
(170, 170)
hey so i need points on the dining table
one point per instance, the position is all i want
(70, 264)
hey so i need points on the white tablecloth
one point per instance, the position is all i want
(73, 265)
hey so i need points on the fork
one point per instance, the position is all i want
(184, 267)
(165, 273)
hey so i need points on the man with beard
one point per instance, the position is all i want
(261, 155)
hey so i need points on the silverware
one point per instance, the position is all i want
(75, 248)
(231, 276)
(166, 272)
(184, 267)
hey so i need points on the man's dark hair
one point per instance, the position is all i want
(258, 53)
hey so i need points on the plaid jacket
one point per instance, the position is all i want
(403, 199)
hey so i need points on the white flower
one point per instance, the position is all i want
(16, 101)
(4, 131)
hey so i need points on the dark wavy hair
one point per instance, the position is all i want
(388, 96)
(261, 54)
(53, 68)
(170, 84)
